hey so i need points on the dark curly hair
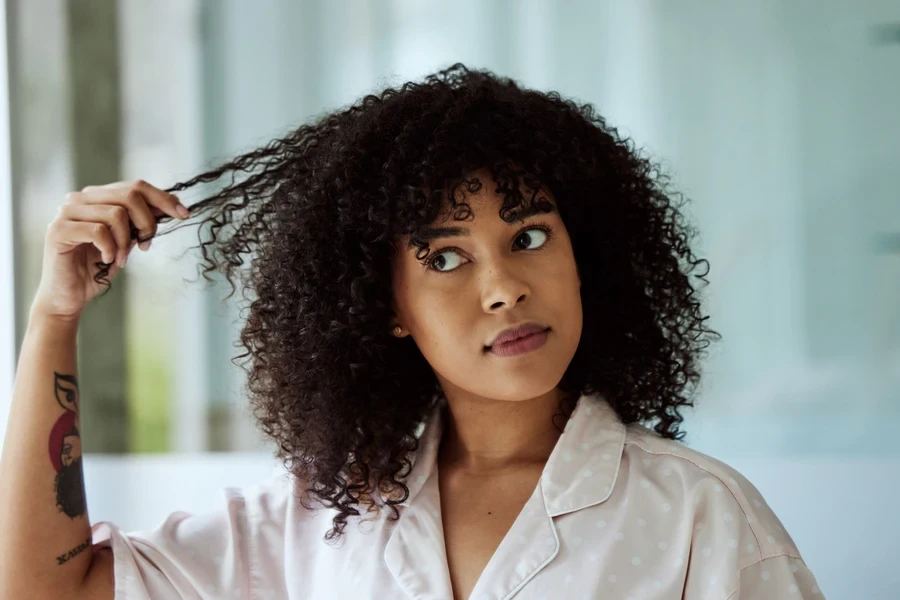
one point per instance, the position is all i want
(319, 210)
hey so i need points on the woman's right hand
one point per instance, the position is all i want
(91, 226)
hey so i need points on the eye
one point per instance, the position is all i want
(539, 235)
(438, 261)
(531, 238)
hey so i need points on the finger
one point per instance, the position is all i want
(113, 216)
(127, 197)
(163, 200)
(74, 233)
(93, 188)
(160, 201)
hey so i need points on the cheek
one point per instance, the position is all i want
(565, 294)
(441, 326)
(440, 318)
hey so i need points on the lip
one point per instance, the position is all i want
(517, 332)
(521, 345)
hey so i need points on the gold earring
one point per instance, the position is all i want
(397, 330)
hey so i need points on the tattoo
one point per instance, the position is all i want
(66, 388)
(63, 558)
(65, 449)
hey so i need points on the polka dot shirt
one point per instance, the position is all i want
(619, 512)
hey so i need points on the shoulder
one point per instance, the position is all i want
(237, 514)
(720, 499)
(270, 498)
(216, 552)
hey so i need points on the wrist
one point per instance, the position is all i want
(38, 319)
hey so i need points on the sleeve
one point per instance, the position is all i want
(777, 578)
(228, 552)
(740, 549)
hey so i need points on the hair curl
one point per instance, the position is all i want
(320, 208)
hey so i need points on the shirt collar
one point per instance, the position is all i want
(581, 470)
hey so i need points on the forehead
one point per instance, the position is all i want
(486, 201)
(448, 226)
(459, 218)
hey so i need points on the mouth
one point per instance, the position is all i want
(520, 344)
(516, 332)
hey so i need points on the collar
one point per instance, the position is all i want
(581, 470)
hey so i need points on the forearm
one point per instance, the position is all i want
(45, 542)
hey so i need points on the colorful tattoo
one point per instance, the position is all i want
(65, 449)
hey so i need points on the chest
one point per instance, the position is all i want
(477, 513)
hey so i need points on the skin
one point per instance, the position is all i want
(500, 408)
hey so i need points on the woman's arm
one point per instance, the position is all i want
(45, 549)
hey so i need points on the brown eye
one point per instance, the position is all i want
(439, 262)
(532, 235)
(532, 238)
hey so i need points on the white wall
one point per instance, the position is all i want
(138, 492)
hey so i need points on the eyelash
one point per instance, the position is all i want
(547, 229)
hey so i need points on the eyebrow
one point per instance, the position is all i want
(430, 234)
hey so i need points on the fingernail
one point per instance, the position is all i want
(144, 245)
(182, 211)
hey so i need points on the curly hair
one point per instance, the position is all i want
(320, 208)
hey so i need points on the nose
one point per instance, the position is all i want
(500, 304)
(503, 290)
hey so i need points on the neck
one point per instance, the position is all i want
(483, 436)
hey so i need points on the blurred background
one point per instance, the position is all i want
(779, 119)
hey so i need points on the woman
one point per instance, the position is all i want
(468, 300)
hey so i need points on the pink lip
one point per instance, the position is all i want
(519, 331)
(521, 345)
